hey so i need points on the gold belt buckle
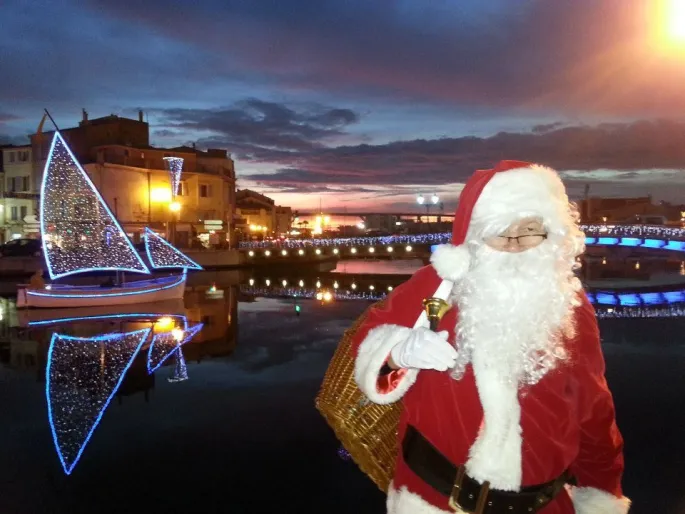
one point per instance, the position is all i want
(456, 490)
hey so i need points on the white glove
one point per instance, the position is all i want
(425, 349)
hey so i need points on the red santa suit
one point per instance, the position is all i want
(566, 419)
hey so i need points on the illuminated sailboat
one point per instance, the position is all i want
(82, 376)
(80, 235)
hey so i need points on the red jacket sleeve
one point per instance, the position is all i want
(599, 463)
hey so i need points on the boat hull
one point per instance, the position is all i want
(138, 292)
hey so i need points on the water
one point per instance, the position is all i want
(241, 434)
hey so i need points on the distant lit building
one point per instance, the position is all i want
(19, 205)
(261, 215)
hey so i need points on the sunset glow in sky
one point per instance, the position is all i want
(362, 105)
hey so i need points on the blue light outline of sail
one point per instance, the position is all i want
(184, 258)
(190, 333)
(106, 338)
(46, 254)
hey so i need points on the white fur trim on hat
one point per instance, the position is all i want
(589, 500)
(401, 501)
(373, 353)
(518, 193)
(451, 262)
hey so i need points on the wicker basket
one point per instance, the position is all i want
(367, 431)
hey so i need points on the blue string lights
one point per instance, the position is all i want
(164, 344)
(81, 378)
(163, 254)
(79, 232)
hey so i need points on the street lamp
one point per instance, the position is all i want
(435, 199)
(420, 199)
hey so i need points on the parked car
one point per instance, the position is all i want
(22, 248)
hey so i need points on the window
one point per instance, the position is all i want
(11, 156)
(10, 184)
(15, 213)
(182, 188)
(23, 156)
(25, 183)
(205, 191)
(24, 211)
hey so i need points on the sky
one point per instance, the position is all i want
(362, 105)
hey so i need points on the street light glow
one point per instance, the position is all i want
(174, 206)
(420, 199)
(676, 20)
(435, 199)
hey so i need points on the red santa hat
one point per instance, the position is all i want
(493, 199)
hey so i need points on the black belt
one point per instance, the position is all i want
(466, 493)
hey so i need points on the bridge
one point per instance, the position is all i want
(656, 237)
(608, 304)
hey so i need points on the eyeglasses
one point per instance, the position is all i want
(526, 240)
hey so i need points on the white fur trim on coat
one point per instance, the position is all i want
(451, 262)
(589, 500)
(404, 502)
(373, 353)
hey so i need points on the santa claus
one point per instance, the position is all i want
(505, 407)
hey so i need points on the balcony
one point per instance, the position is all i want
(20, 195)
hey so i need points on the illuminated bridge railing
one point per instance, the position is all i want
(643, 236)
(607, 304)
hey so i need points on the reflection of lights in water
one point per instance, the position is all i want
(319, 296)
(637, 265)
(335, 285)
(318, 251)
(284, 252)
(336, 251)
(389, 248)
(268, 282)
(250, 253)
(164, 324)
(177, 334)
(213, 288)
(682, 268)
(300, 251)
(327, 297)
(252, 281)
(372, 249)
(318, 284)
(353, 250)
(48, 287)
(267, 253)
(604, 260)
(301, 283)
(408, 248)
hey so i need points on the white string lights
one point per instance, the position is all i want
(79, 231)
(175, 167)
(163, 254)
(81, 378)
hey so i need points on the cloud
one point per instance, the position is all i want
(7, 117)
(260, 129)
(520, 57)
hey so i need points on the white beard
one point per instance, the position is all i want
(514, 310)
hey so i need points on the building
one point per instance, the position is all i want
(628, 210)
(261, 216)
(134, 180)
(20, 187)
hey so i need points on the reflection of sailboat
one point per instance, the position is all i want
(165, 343)
(180, 369)
(82, 377)
(46, 317)
(80, 235)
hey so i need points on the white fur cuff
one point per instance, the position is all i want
(451, 262)
(373, 353)
(588, 500)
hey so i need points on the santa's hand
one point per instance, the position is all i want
(425, 349)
